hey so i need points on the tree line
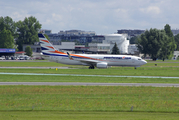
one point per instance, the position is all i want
(158, 44)
(15, 34)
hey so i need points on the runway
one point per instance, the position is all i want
(89, 84)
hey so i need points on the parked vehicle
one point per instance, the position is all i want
(2, 58)
(23, 57)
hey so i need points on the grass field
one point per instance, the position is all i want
(168, 63)
(150, 69)
(89, 98)
(142, 71)
(121, 71)
(89, 102)
(40, 78)
(56, 115)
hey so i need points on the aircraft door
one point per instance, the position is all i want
(133, 61)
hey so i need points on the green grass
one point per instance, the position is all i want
(36, 78)
(171, 63)
(89, 98)
(142, 71)
(89, 102)
(56, 115)
(32, 64)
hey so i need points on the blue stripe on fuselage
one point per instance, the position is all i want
(63, 55)
(54, 54)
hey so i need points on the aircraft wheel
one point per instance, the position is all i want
(91, 67)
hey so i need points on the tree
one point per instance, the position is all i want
(133, 40)
(28, 51)
(47, 36)
(6, 39)
(7, 32)
(177, 41)
(168, 30)
(115, 49)
(28, 31)
(8, 24)
(157, 43)
(150, 42)
(169, 45)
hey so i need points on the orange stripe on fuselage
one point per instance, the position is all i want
(56, 51)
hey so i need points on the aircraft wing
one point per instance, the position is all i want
(88, 61)
(85, 61)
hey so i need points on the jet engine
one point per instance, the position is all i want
(102, 65)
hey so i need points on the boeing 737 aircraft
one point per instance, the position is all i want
(91, 60)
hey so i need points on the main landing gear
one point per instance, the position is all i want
(91, 67)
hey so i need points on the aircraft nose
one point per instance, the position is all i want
(144, 62)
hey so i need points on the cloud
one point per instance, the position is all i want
(101, 16)
(151, 10)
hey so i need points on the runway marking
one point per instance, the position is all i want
(80, 75)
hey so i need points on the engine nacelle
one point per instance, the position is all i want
(102, 65)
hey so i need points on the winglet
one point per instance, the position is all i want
(69, 56)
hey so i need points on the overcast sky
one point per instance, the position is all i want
(101, 16)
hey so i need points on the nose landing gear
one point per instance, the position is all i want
(91, 67)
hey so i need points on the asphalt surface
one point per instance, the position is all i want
(89, 84)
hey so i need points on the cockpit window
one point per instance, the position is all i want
(139, 59)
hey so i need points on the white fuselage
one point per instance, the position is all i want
(111, 60)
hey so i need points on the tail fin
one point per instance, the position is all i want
(46, 47)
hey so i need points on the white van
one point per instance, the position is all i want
(2, 58)
(23, 57)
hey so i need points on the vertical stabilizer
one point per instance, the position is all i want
(46, 47)
(45, 44)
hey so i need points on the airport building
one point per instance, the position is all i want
(99, 47)
(130, 33)
(94, 43)
(175, 31)
(45, 31)
(77, 36)
(119, 39)
(132, 49)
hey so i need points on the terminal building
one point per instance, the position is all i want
(120, 40)
(7, 52)
(92, 43)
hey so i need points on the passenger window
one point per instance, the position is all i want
(139, 59)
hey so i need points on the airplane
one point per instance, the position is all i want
(91, 60)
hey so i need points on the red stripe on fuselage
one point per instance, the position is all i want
(50, 47)
(45, 41)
